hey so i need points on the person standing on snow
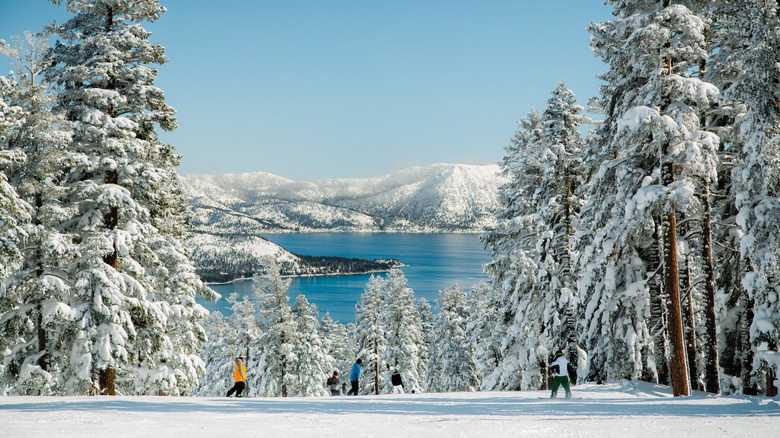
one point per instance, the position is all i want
(398, 385)
(333, 384)
(239, 375)
(561, 369)
(354, 377)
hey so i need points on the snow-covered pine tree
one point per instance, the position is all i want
(228, 337)
(508, 350)
(483, 317)
(371, 336)
(556, 206)
(425, 310)
(746, 34)
(38, 289)
(404, 332)
(451, 363)
(15, 212)
(134, 288)
(277, 365)
(340, 344)
(14, 215)
(217, 353)
(655, 154)
(314, 363)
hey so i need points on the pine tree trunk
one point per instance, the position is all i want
(693, 370)
(566, 273)
(679, 368)
(106, 380)
(689, 319)
(658, 312)
(112, 220)
(771, 389)
(749, 387)
(108, 375)
(376, 367)
(42, 362)
(711, 362)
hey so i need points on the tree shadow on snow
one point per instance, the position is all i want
(439, 405)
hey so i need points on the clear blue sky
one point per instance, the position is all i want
(312, 89)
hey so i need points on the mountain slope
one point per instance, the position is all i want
(440, 197)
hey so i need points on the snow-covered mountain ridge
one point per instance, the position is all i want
(230, 212)
(435, 198)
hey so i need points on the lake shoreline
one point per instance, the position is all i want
(431, 262)
(337, 274)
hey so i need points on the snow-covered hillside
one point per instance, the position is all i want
(439, 197)
(621, 409)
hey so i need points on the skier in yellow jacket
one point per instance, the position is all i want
(239, 374)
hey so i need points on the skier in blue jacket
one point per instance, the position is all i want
(354, 377)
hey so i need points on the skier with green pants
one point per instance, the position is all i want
(561, 369)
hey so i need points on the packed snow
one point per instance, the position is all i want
(621, 409)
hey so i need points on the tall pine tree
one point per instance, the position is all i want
(136, 323)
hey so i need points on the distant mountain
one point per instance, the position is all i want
(230, 211)
(436, 198)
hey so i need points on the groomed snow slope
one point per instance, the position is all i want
(622, 409)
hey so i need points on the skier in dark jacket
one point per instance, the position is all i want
(333, 384)
(398, 385)
(354, 377)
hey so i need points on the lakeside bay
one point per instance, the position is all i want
(433, 262)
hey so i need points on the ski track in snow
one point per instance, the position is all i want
(622, 409)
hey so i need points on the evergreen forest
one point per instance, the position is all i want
(639, 234)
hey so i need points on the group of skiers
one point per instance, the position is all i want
(560, 368)
(354, 378)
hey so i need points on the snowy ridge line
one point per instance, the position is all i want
(435, 198)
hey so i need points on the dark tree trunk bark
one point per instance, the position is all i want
(43, 361)
(107, 376)
(376, 367)
(711, 361)
(749, 386)
(771, 389)
(693, 369)
(679, 369)
(106, 380)
(658, 313)
(689, 318)
(112, 220)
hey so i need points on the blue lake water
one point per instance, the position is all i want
(435, 262)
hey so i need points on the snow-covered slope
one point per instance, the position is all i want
(439, 197)
(620, 409)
